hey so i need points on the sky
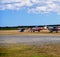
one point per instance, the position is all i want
(29, 12)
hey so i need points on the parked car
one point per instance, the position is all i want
(55, 28)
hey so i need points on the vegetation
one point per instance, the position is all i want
(8, 28)
(16, 27)
(22, 50)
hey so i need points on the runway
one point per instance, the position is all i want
(29, 39)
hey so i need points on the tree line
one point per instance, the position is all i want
(16, 27)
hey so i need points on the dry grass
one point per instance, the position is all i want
(16, 32)
(22, 50)
(19, 50)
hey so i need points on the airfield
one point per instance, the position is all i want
(26, 32)
(15, 36)
(14, 43)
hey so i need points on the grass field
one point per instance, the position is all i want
(22, 50)
(17, 32)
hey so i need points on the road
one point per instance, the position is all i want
(29, 39)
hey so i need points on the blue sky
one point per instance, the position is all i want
(29, 12)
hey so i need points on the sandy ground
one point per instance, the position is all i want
(17, 32)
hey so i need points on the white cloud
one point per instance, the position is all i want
(9, 1)
(34, 6)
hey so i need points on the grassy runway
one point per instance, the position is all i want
(22, 50)
(16, 32)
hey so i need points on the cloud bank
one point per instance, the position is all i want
(34, 6)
